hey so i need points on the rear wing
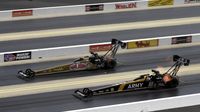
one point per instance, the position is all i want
(115, 45)
(181, 60)
(118, 42)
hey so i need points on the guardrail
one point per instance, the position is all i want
(47, 12)
(149, 105)
(68, 52)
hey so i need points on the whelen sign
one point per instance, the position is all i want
(126, 5)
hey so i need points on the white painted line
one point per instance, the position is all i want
(148, 105)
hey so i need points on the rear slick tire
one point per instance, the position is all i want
(110, 64)
(173, 83)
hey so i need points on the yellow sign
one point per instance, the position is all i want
(154, 3)
(142, 44)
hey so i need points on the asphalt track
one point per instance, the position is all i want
(63, 100)
(21, 4)
(96, 37)
(88, 20)
(98, 19)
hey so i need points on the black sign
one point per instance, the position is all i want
(191, 1)
(180, 40)
(89, 8)
(17, 56)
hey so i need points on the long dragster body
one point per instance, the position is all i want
(168, 79)
(93, 62)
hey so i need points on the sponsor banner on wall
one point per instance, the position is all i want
(126, 5)
(154, 3)
(99, 7)
(191, 1)
(142, 44)
(20, 13)
(99, 48)
(17, 56)
(180, 40)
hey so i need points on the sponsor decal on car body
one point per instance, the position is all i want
(77, 66)
(135, 85)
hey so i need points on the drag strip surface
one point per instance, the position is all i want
(98, 29)
(97, 37)
(64, 100)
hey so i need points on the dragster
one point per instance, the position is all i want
(169, 79)
(93, 62)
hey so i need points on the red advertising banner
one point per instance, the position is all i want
(99, 48)
(126, 5)
(20, 13)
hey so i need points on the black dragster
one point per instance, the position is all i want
(169, 79)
